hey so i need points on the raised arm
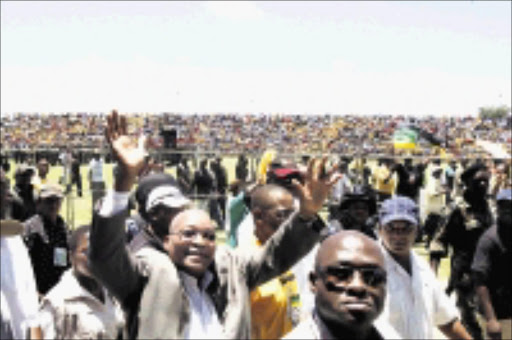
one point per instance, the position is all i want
(108, 256)
(299, 233)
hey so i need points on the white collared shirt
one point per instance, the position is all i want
(68, 300)
(204, 322)
(415, 303)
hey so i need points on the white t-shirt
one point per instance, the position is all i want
(96, 167)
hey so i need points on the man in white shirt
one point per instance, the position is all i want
(349, 284)
(97, 184)
(416, 302)
(18, 287)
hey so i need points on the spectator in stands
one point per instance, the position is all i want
(416, 302)
(349, 283)
(45, 235)
(491, 266)
(78, 306)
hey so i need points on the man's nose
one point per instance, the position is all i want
(356, 285)
(199, 238)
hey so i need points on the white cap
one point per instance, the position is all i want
(167, 195)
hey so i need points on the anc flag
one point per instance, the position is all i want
(405, 138)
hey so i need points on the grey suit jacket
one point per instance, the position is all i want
(149, 288)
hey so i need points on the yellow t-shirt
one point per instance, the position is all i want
(38, 182)
(380, 174)
(275, 307)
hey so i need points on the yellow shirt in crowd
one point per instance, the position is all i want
(275, 307)
(380, 173)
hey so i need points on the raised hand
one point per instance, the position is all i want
(318, 182)
(129, 153)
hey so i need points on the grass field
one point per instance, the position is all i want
(78, 210)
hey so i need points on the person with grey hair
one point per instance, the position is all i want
(416, 301)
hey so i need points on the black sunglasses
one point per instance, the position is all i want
(341, 275)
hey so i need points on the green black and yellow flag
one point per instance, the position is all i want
(405, 138)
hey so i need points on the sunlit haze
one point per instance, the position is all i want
(411, 58)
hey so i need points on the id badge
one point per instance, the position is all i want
(60, 257)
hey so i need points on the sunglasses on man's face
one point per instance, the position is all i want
(342, 275)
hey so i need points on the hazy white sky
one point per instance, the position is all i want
(410, 58)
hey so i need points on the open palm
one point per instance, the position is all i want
(129, 153)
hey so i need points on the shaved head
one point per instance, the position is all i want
(263, 197)
(348, 241)
(349, 283)
(271, 205)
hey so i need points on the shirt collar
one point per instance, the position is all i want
(74, 290)
(325, 333)
(191, 281)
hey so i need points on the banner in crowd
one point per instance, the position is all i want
(405, 138)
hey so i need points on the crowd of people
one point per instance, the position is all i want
(149, 264)
(226, 133)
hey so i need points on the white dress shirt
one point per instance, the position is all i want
(204, 322)
(18, 285)
(416, 303)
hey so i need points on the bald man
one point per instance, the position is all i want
(275, 305)
(349, 283)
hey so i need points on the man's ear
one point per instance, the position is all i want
(166, 242)
(313, 277)
(257, 214)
